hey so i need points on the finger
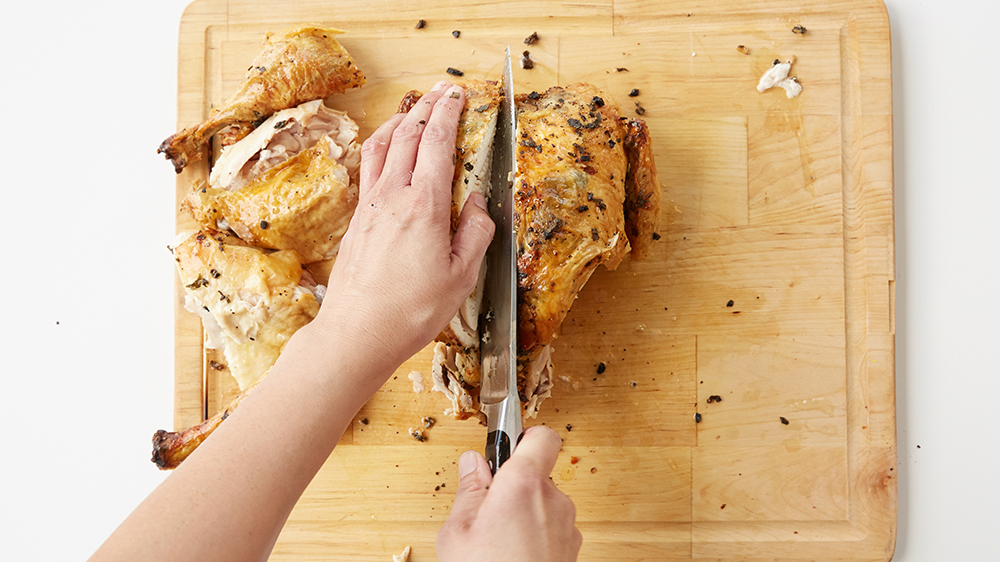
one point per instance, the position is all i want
(373, 152)
(402, 155)
(435, 166)
(472, 237)
(537, 451)
(576, 542)
(473, 482)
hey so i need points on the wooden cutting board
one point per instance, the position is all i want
(772, 286)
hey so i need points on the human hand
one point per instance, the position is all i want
(400, 275)
(517, 516)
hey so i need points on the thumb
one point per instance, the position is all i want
(473, 479)
(474, 232)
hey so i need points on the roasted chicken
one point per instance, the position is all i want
(296, 66)
(290, 185)
(250, 301)
(586, 193)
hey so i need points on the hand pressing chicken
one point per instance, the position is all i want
(296, 66)
(398, 280)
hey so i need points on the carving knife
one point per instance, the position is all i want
(498, 389)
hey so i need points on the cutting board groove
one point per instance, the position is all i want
(783, 207)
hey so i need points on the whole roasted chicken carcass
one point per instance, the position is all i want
(586, 194)
(296, 66)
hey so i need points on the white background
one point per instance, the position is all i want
(88, 90)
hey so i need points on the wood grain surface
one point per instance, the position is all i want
(783, 207)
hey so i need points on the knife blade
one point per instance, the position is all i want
(498, 388)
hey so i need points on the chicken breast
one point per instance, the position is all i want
(250, 301)
(290, 185)
(296, 66)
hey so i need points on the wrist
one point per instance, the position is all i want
(340, 359)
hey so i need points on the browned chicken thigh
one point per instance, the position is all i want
(296, 66)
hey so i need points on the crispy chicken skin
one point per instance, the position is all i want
(304, 204)
(250, 301)
(296, 66)
(642, 190)
(569, 200)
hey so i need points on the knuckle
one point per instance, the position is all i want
(371, 147)
(407, 131)
(438, 135)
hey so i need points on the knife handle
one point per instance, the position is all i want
(497, 449)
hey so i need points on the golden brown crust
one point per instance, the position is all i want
(642, 190)
(409, 100)
(568, 203)
(304, 204)
(296, 66)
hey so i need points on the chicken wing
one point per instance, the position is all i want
(296, 66)
(290, 185)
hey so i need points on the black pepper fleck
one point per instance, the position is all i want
(569, 427)
(633, 93)
(456, 34)
(421, 24)
(800, 30)
(530, 40)
(730, 304)
(714, 398)
(263, 225)
(783, 420)
(697, 417)
(601, 367)
(455, 72)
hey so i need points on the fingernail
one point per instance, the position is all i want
(466, 464)
(440, 86)
(478, 200)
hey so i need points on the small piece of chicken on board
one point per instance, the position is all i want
(251, 302)
(586, 194)
(295, 66)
